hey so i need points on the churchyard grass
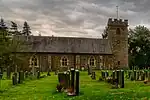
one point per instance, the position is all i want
(45, 89)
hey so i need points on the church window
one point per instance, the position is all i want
(92, 61)
(118, 31)
(34, 61)
(64, 61)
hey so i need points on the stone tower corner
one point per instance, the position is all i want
(118, 38)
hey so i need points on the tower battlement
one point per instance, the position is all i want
(119, 22)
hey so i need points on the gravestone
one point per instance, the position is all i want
(142, 76)
(138, 75)
(113, 75)
(14, 79)
(106, 74)
(89, 70)
(38, 74)
(72, 78)
(48, 73)
(93, 76)
(77, 82)
(1, 75)
(103, 74)
(26, 74)
(122, 79)
(118, 74)
(134, 75)
(21, 77)
(149, 76)
(8, 72)
(68, 79)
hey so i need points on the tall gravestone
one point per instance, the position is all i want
(8, 72)
(113, 75)
(138, 75)
(14, 79)
(122, 79)
(118, 80)
(21, 77)
(77, 82)
(38, 74)
(72, 78)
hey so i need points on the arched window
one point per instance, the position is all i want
(34, 61)
(118, 31)
(64, 61)
(92, 61)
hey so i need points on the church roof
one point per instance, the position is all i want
(50, 44)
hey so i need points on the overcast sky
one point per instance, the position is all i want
(84, 18)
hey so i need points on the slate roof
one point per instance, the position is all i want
(52, 44)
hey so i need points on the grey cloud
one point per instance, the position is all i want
(73, 17)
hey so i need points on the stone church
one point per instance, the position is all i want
(62, 53)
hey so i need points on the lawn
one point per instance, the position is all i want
(44, 89)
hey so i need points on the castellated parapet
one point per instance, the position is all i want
(117, 22)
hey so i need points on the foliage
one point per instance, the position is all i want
(105, 33)
(139, 47)
(14, 29)
(26, 29)
(9, 46)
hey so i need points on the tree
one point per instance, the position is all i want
(2, 24)
(105, 33)
(26, 29)
(14, 29)
(9, 46)
(139, 47)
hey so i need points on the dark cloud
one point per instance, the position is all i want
(73, 17)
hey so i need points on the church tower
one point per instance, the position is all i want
(118, 38)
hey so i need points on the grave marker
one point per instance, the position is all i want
(77, 82)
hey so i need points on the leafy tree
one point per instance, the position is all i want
(14, 29)
(9, 46)
(26, 29)
(2, 25)
(139, 47)
(105, 33)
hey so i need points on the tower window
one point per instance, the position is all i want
(118, 31)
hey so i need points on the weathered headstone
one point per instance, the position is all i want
(8, 72)
(113, 75)
(142, 76)
(14, 79)
(48, 73)
(138, 75)
(149, 76)
(72, 78)
(89, 70)
(106, 74)
(122, 79)
(93, 76)
(38, 74)
(68, 79)
(26, 74)
(134, 75)
(21, 77)
(118, 80)
(1, 75)
(77, 82)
